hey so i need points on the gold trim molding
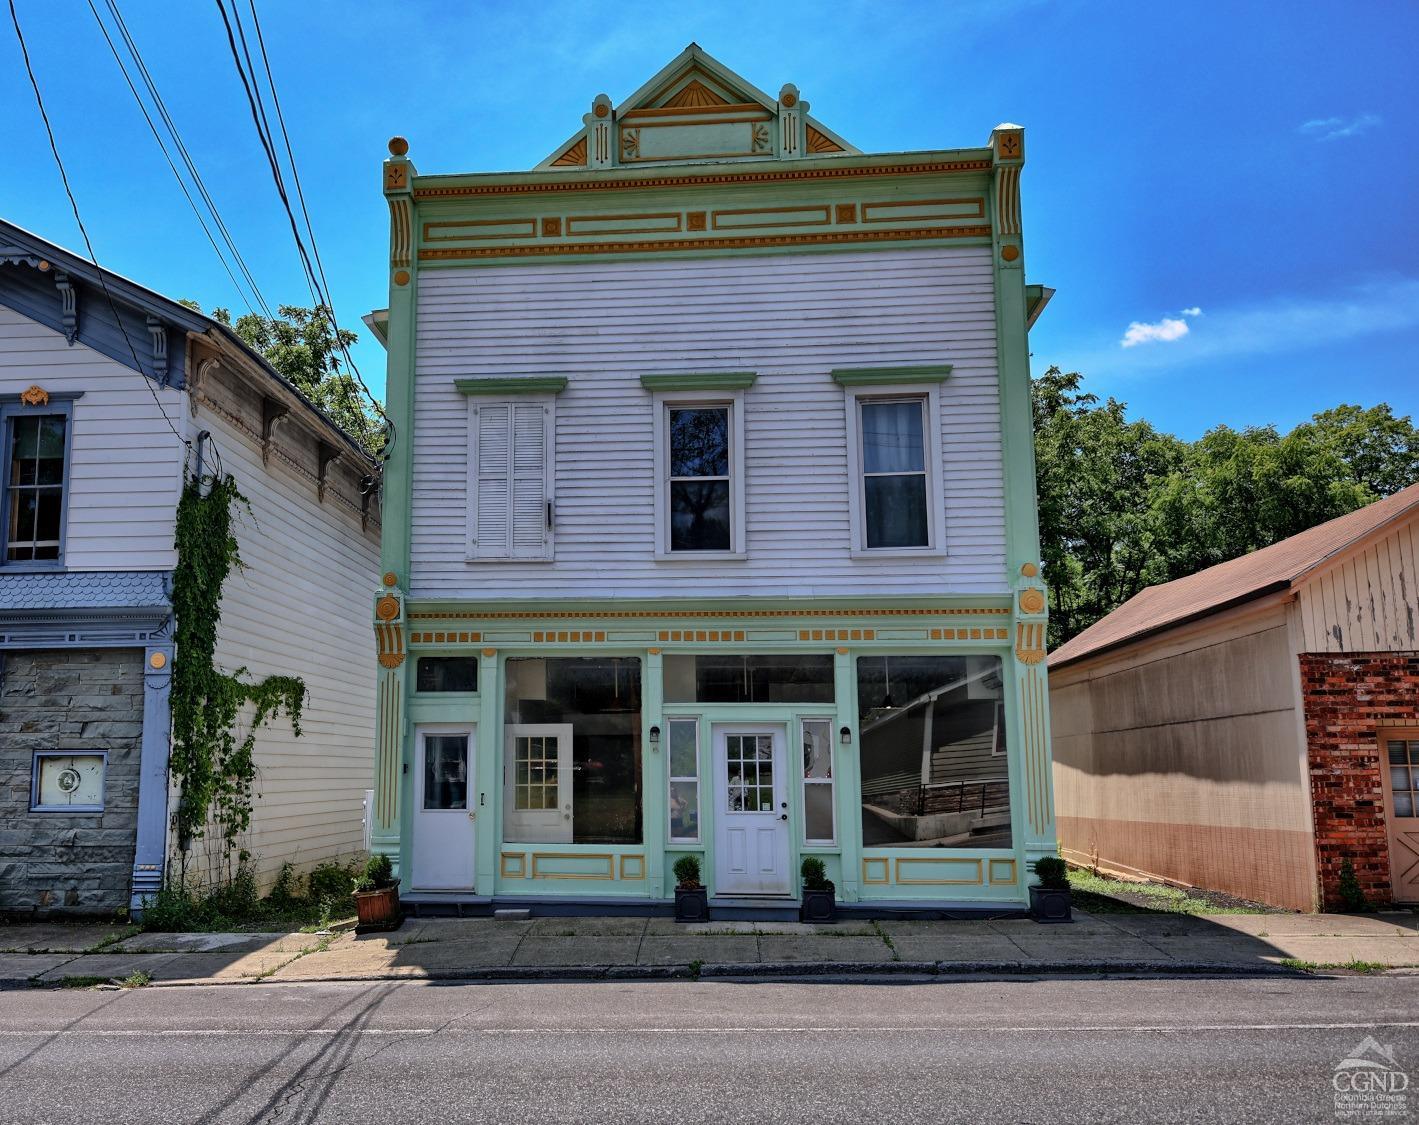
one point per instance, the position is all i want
(903, 881)
(644, 614)
(747, 242)
(869, 878)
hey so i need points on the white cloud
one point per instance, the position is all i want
(1284, 323)
(1167, 329)
(1334, 128)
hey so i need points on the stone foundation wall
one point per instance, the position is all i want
(1348, 699)
(77, 863)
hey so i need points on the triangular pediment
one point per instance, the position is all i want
(696, 110)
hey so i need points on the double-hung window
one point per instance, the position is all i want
(510, 458)
(699, 477)
(894, 460)
(36, 443)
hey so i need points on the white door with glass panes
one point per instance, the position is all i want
(1400, 758)
(443, 836)
(537, 783)
(751, 811)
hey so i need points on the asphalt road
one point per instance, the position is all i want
(416, 1052)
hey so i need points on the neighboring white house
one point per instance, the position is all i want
(109, 394)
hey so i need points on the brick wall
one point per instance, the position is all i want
(79, 863)
(1348, 698)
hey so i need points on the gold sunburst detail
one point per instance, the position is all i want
(818, 142)
(573, 157)
(694, 94)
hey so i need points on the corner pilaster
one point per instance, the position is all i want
(150, 844)
(390, 638)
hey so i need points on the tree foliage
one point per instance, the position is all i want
(1124, 505)
(301, 345)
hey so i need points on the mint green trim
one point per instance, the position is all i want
(882, 376)
(701, 381)
(518, 385)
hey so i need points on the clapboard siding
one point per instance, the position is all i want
(1368, 602)
(125, 463)
(300, 607)
(790, 319)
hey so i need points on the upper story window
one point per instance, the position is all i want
(36, 446)
(700, 477)
(895, 465)
(510, 503)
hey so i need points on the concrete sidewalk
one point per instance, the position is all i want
(581, 948)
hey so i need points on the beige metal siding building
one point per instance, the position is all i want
(1250, 727)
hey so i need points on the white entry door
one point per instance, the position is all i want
(537, 783)
(443, 810)
(751, 811)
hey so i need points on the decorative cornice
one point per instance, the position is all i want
(700, 381)
(748, 242)
(513, 385)
(883, 376)
(830, 170)
(671, 612)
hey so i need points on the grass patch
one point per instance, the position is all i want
(695, 967)
(317, 902)
(81, 981)
(887, 938)
(1098, 894)
(1365, 968)
(136, 979)
(114, 939)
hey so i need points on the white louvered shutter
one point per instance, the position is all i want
(529, 480)
(508, 481)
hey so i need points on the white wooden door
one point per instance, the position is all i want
(751, 811)
(537, 783)
(443, 810)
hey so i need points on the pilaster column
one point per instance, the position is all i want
(390, 707)
(150, 845)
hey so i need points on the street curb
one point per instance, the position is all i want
(781, 970)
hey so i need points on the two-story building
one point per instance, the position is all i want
(110, 396)
(710, 519)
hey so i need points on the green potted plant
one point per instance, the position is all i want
(1049, 896)
(377, 896)
(819, 894)
(691, 897)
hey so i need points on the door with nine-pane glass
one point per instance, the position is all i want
(751, 811)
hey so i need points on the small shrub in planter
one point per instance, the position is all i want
(819, 894)
(691, 898)
(1049, 898)
(377, 896)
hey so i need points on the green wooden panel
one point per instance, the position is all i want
(885, 376)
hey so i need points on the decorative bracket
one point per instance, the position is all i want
(326, 455)
(791, 111)
(1031, 615)
(159, 333)
(369, 487)
(272, 413)
(68, 305)
(600, 152)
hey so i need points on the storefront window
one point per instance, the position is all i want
(573, 751)
(446, 673)
(725, 678)
(684, 779)
(933, 752)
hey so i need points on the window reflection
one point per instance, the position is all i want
(933, 752)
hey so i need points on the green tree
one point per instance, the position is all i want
(300, 344)
(1124, 505)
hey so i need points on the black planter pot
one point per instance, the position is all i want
(818, 906)
(1048, 905)
(691, 904)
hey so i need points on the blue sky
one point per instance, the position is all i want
(1224, 194)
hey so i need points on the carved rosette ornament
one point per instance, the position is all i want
(34, 396)
(389, 630)
(1031, 608)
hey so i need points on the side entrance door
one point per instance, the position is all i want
(537, 783)
(751, 810)
(443, 837)
(1399, 760)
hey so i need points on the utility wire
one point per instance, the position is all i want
(74, 206)
(181, 183)
(187, 160)
(321, 296)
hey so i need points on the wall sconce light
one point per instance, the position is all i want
(655, 738)
(845, 736)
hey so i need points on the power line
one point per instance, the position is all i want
(176, 135)
(181, 183)
(256, 106)
(74, 206)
